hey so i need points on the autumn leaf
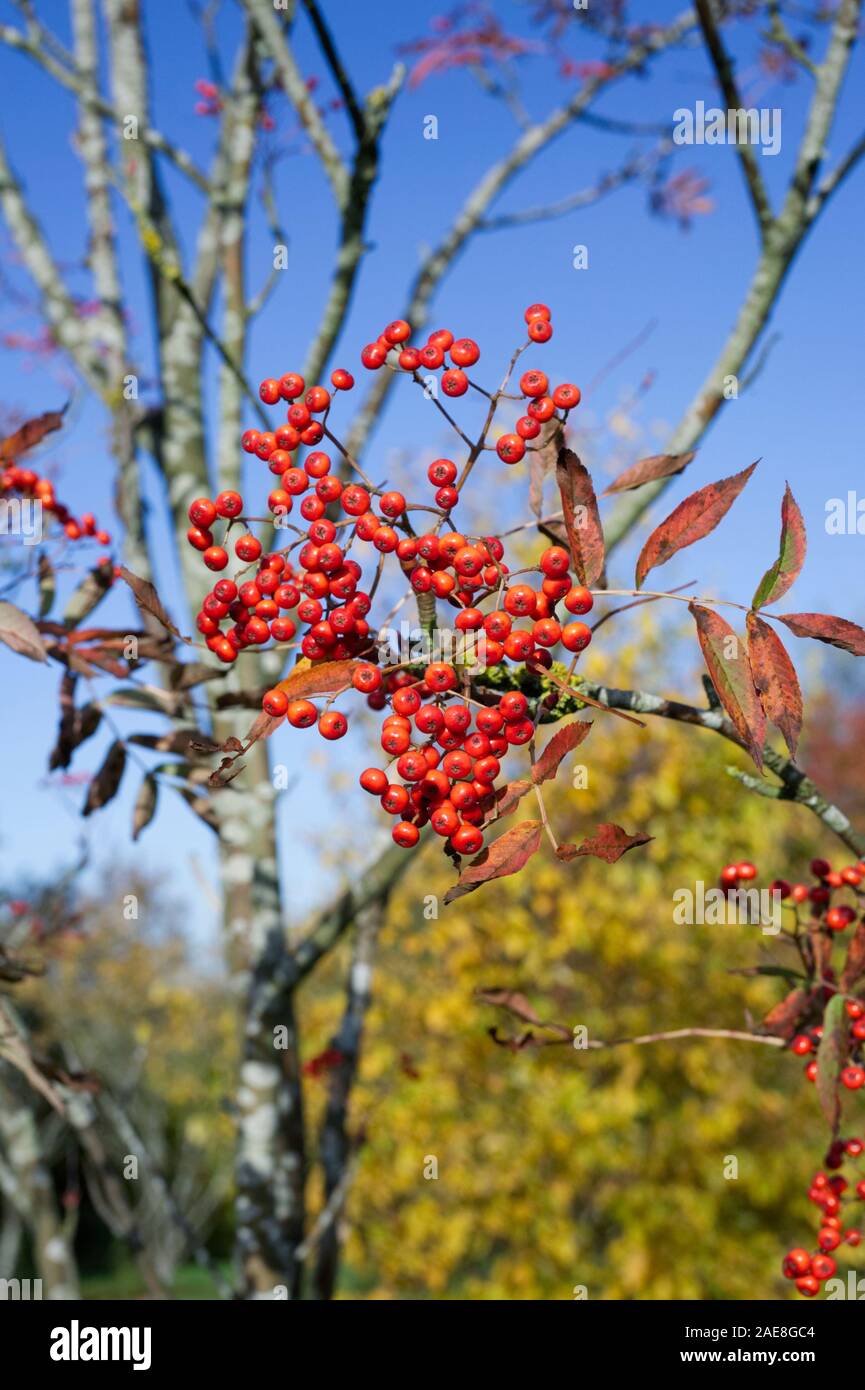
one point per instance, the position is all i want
(145, 805)
(727, 664)
(510, 999)
(308, 679)
(47, 585)
(775, 679)
(149, 601)
(582, 518)
(782, 1020)
(30, 434)
(609, 843)
(691, 521)
(104, 786)
(508, 798)
(777, 580)
(837, 632)
(506, 855)
(649, 470)
(830, 1059)
(854, 965)
(19, 632)
(563, 741)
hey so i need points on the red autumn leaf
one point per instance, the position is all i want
(691, 521)
(148, 600)
(609, 843)
(791, 556)
(563, 741)
(30, 434)
(782, 1020)
(727, 663)
(506, 855)
(776, 681)
(508, 798)
(837, 632)
(649, 470)
(582, 518)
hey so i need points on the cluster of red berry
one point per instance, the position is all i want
(28, 483)
(827, 1193)
(853, 1074)
(446, 777)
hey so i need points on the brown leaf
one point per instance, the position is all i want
(308, 679)
(775, 680)
(782, 1020)
(837, 632)
(181, 741)
(508, 798)
(563, 741)
(831, 1055)
(19, 632)
(149, 601)
(105, 784)
(777, 580)
(609, 843)
(691, 521)
(30, 434)
(854, 965)
(76, 724)
(92, 589)
(582, 518)
(649, 470)
(506, 855)
(145, 805)
(542, 461)
(727, 664)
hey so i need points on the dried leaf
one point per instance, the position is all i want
(308, 679)
(775, 679)
(777, 580)
(649, 470)
(563, 741)
(510, 999)
(105, 784)
(47, 586)
(854, 965)
(837, 632)
(145, 805)
(727, 664)
(782, 1020)
(506, 855)
(508, 798)
(181, 741)
(149, 601)
(91, 591)
(30, 434)
(582, 518)
(609, 843)
(691, 521)
(830, 1059)
(19, 632)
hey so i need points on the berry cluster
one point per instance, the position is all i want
(445, 753)
(810, 1270)
(26, 482)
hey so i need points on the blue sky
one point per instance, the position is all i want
(803, 416)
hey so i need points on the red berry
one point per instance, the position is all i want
(398, 331)
(540, 330)
(409, 359)
(332, 724)
(455, 382)
(215, 557)
(510, 448)
(534, 384)
(392, 504)
(578, 600)
(275, 702)
(808, 1285)
(301, 714)
(566, 396)
(467, 840)
(200, 540)
(269, 391)
(442, 472)
(229, 504)
(316, 400)
(373, 357)
(555, 561)
(796, 1263)
(828, 1238)
(202, 513)
(465, 352)
(536, 311)
(247, 548)
(801, 1045)
(341, 380)
(853, 1077)
(576, 636)
(405, 834)
(527, 428)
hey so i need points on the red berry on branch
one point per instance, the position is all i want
(576, 636)
(269, 391)
(291, 386)
(373, 357)
(229, 504)
(341, 380)
(464, 352)
(332, 724)
(510, 448)
(455, 382)
(215, 557)
(398, 331)
(808, 1285)
(275, 703)
(316, 400)
(566, 396)
(534, 383)
(540, 330)
(536, 311)
(301, 714)
(202, 513)
(372, 779)
(198, 539)
(405, 834)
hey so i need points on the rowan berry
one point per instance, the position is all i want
(802, 1045)
(198, 539)
(534, 383)
(808, 1285)
(555, 562)
(229, 504)
(431, 356)
(444, 819)
(796, 1263)
(269, 391)
(839, 918)
(202, 513)
(405, 834)
(407, 701)
(576, 636)
(385, 539)
(828, 1238)
(512, 705)
(567, 396)
(373, 357)
(547, 632)
(527, 428)
(409, 359)
(540, 330)
(275, 702)
(266, 445)
(520, 601)
(215, 557)
(366, 678)
(249, 441)
(853, 1077)
(440, 676)
(316, 400)
(510, 448)
(373, 780)
(455, 382)
(536, 311)
(341, 380)
(392, 504)
(519, 645)
(446, 498)
(283, 629)
(464, 352)
(541, 409)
